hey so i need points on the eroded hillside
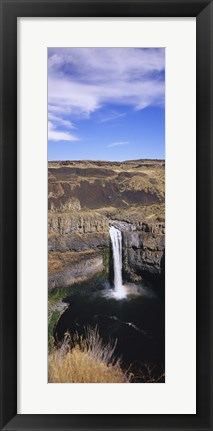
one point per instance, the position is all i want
(94, 185)
(85, 197)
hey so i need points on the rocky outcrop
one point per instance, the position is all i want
(71, 204)
(85, 198)
(82, 223)
(66, 269)
(143, 254)
(94, 185)
(143, 249)
(77, 231)
(78, 242)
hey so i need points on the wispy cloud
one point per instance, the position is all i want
(85, 99)
(81, 81)
(97, 64)
(58, 121)
(116, 144)
(59, 135)
(111, 116)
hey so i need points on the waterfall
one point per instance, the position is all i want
(116, 239)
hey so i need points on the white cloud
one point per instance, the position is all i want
(60, 121)
(97, 64)
(115, 144)
(80, 98)
(81, 81)
(58, 135)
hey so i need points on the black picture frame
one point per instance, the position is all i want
(10, 11)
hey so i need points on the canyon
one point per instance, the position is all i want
(85, 198)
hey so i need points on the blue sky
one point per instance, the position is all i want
(106, 103)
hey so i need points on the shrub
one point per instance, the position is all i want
(86, 360)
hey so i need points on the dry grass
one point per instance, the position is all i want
(151, 181)
(86, 361)
(148, 375)
(147, 175)
(154, 213)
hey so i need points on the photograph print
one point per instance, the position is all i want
(106, 215)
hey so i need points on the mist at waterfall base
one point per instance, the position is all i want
(133, 315)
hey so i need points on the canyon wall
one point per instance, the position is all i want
(81, 209)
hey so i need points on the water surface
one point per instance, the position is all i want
(136, 322)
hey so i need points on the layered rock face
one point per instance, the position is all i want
(82, 238)
(72, 225)
(144, 255)
(85, 198)
(143, 249)
(68, 268)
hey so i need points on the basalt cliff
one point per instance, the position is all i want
(85, 198)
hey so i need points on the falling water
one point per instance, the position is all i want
(116, 239)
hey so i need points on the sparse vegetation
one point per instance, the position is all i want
(148, 374)
(88, 184)
(55, 308)
(56, 304)
(85, 198)
(53, 317)
(88, 360)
